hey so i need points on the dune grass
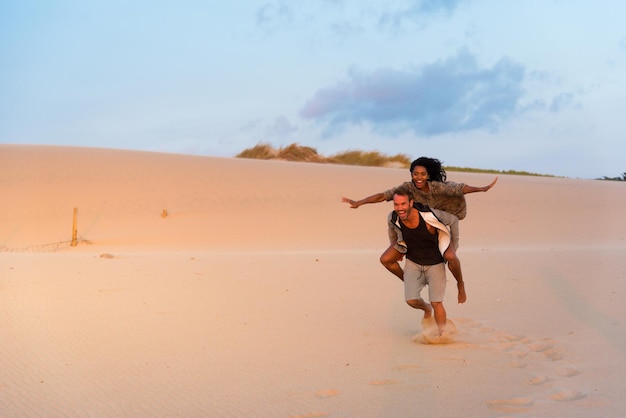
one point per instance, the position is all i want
(489, 171)
(370, 158)
(261, 151)
(296, 152)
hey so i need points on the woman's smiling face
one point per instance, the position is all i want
(419, 176)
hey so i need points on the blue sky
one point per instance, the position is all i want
(531, 85)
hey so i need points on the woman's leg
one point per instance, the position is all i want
(391, 260)
(454, 265)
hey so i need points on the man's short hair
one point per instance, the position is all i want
(404, 191)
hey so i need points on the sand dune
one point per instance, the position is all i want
(261, 294)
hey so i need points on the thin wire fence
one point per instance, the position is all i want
(53, 246)
(44, 248)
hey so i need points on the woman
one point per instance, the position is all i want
(429, 187)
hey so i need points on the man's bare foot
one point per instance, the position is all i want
(444, 338)
(428, 314)
(462, 296)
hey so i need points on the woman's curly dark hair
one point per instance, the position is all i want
(432, 166)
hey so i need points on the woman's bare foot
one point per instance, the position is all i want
(462, 296)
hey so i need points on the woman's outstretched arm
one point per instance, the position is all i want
(375, 198)
(472, 189)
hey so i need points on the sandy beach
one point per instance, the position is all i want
(224, 287)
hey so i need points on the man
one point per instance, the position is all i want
(426, 239)
(397, 248)
(429, 187)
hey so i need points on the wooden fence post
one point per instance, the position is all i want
(74, 231)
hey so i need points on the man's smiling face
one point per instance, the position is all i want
(402, 205)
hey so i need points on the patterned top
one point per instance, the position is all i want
(446, 196)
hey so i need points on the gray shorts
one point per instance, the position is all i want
(417, 276)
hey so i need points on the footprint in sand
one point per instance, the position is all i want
(511, 402)
(514, 337)
(539, 348)
(506, 346)
(486, 330)
(538, 380)
(518, 354)
(511, 405)
(327, 393)
(383, 382)
(518, 364)
(567, 395)
(568, 372)
(553, 355)
(521, 348)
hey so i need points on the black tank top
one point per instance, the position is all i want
(422, 246)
